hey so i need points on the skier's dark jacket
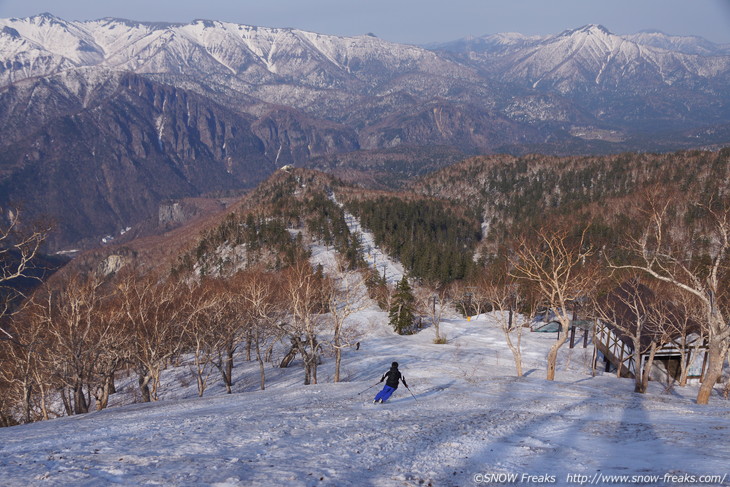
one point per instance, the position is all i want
(393, 376)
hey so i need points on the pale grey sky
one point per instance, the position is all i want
(410, 21)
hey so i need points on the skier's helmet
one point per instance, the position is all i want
(394, 365)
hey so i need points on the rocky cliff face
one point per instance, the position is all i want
(98, 168)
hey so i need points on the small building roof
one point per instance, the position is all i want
(632, 302)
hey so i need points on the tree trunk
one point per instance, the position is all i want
(338, 361)
(102, 392)
(80, 404)
(516, 353)
(199, 373)
(307, 373)
(112, 383)
(248, 346)
(314, 359)
(27, 389)
(224, 364)
(155, 381)
(5, 419)
(144, 387)
(66, 401)
(226, 381)
(262, 370)
(646, 372)
(684, 371)
(109, 388)
(551, 361)
(229, 369)
(290, 354)
(552, 358)
(44, 406)
(638, 365)
(338, 354)
(716, 358)
(314, 369)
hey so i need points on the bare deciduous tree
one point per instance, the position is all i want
(227, 318)
(24, 366)
(153, 319)
(506, 300)
(303, 291)
(72, 319)
(18, 248)
(202, 335)
(433, 301)
(556, 264)
(689, 336)
(637, 315)
(261, 295)
(345, 293)
(667, 258)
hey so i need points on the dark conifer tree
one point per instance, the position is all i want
(401, 314)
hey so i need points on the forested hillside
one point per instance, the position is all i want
(270, 227)
(433, 239)
(514, 194)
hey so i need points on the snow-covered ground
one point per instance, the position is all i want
(469, 421)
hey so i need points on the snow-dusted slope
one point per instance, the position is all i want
(685, 44)
(593, 56)
(219, 51)
(469, 422)
(69, 40)
(203, 47)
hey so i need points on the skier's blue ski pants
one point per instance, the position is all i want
(385, 393)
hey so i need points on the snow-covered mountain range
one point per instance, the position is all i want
(105, 109)
(257, 56)
(592, 55)
(330, 77)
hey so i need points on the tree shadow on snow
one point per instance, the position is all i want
(529, 373)
(551, 433)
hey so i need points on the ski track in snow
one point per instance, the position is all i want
(470, 415)
(374, 256)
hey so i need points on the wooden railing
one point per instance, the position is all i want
(615, 350)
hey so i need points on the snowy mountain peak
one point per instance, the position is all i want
(594, 29)
(590, 32)
(43, 44)
(45, 17)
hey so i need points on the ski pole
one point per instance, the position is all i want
(409, 390)
(368, 388)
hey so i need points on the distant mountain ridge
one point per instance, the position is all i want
(102, 120)
(613, 79)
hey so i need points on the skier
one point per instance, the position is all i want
(391, 384)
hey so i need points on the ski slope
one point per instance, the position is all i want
(469, 420)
